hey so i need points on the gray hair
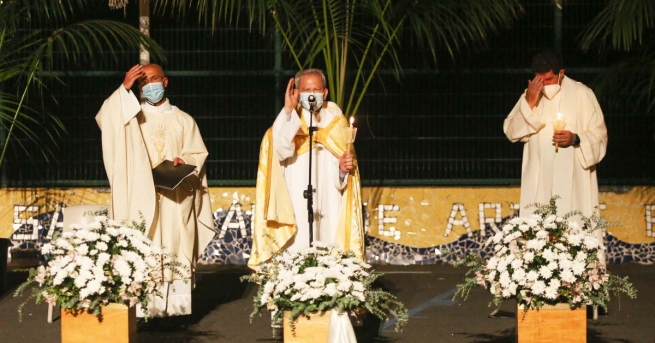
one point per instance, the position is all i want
(310, 71)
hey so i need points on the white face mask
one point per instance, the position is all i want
(551, 90)
(304, 100)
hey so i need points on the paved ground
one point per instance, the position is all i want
(222, 304)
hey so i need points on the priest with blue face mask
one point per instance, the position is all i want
(136, 137)
(282, 217)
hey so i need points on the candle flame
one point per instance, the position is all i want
(352, 120)
(559, 116)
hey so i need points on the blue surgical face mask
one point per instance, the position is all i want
(304, 100)
(153, 92)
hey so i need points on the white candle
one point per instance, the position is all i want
(559, 123)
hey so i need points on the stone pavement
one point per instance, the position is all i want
(222, 304)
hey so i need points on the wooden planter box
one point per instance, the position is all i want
(308, 330)
(556, 324)
(118, 326)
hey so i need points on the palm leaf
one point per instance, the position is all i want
(28, 56)
(622, 22)
(359, 35)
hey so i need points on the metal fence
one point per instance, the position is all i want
(438, 125)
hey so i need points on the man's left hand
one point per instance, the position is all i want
(563, 138)
(177, 161)
(346, 162)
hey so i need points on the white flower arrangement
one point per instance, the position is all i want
(545, 259)
(321, 278)
(104, 262)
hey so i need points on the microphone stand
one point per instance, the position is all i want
(309, 192)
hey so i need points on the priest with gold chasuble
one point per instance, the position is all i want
(138, 137)
(281, 219)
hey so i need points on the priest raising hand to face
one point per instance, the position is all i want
(284, 169)
(290, 97)
(137, 136)
(135, 73)
(561, 126)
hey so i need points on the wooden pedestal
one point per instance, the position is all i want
(556, 324)
(308, 330)
(118, 326)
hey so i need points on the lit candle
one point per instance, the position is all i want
(349, 133)
(559, 123)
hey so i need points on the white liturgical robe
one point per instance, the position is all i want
(326, 177)
(280, 219)
(136, 138)
(570, 172)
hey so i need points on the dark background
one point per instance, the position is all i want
(439, 124)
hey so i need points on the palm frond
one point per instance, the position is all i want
(630, 82)
(342, 35)
(39, 36)
(621, 22)
(29, 124)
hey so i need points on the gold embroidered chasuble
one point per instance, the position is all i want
(274, 219)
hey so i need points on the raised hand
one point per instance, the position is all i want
(533, 92)
(290, 97)
(132, 75)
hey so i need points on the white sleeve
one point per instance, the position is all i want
(285, 128)
(130, 104)
(522, 122)
(343, 179)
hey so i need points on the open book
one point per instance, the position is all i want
(168, 176)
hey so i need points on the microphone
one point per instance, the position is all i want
(312, 102)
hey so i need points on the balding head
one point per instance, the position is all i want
(153, 73)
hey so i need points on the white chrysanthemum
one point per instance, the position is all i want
(538, 287)
(591, 242)
(492, 262)
(517, 263)
(502, 265)
(519, 275)
(535, 244)
(532, 275)
(549, 255)
(528, 256)
(505, 279)
(567, 276)
(553, 266)
(545, 272)
(550, 293)
(581, 256)
(578, 267)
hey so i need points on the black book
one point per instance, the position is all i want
(168, 176)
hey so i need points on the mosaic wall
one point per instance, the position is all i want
(404, 225)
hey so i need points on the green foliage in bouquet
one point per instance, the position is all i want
(101, 263)
(545, 259)
(321, 278)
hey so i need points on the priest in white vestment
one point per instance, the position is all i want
(558, 162)
(281, 218)
(281, 213)
(137, 137)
